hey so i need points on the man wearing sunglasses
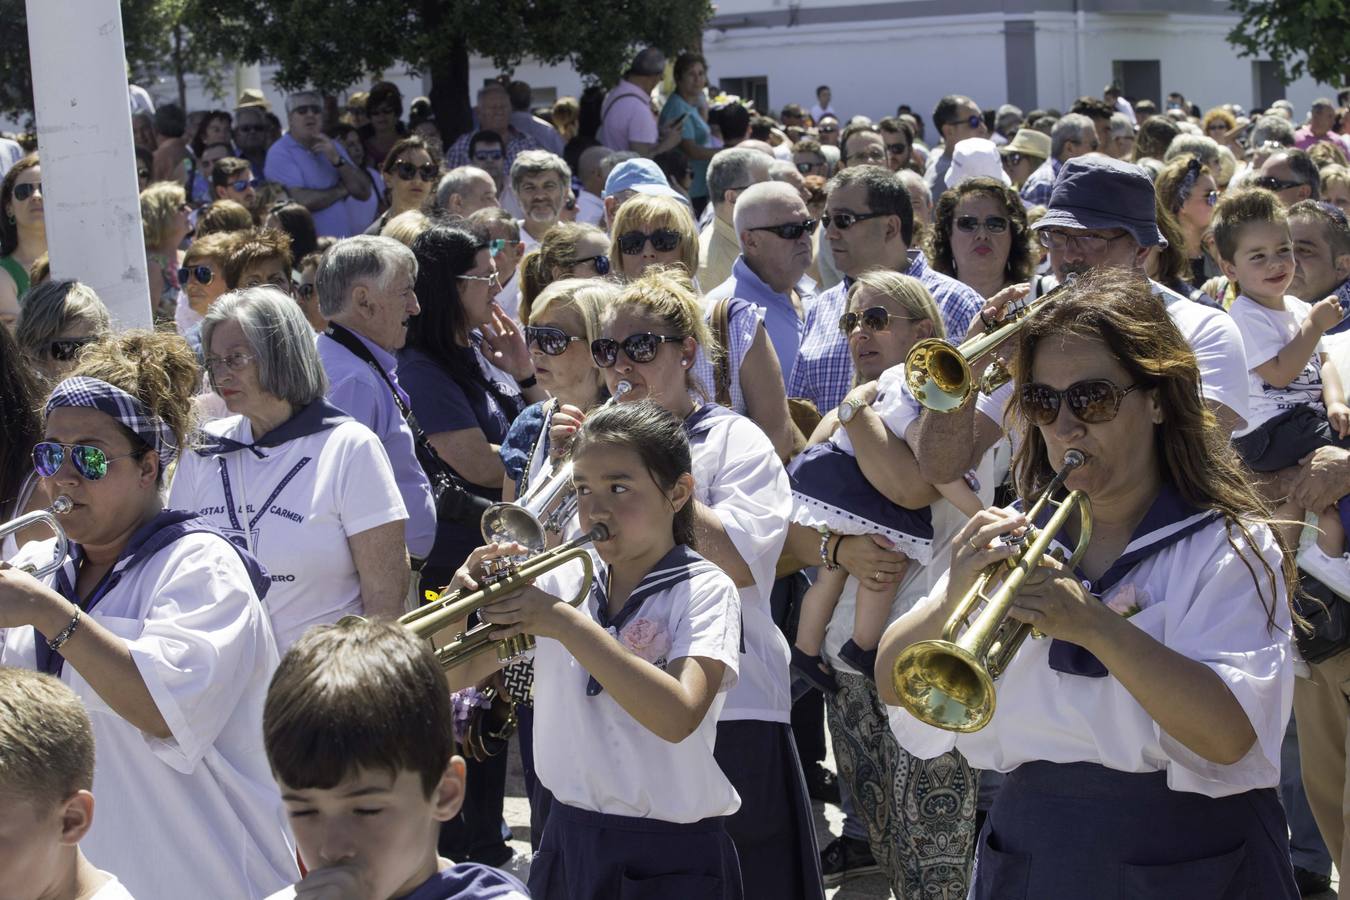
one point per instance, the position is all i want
(250, 134)
(1292, 175)
(956, 118)
(232, 179)
(494, 114)
(1101, 215)
(317, 171)
(729, 174)
(1072, 136)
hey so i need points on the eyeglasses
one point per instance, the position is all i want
(991, 224)
(640, 348)
(897, 149)
(309, 109)
(1092, 402)
(242, 185)
(250, 129)
(26, 190)
(1268, 182)
(600, 261)
(203, 274)
(305, 290)
(845, 221)
(975, 120)
(874, 318)
(806, 167)
(490, 279)
(495, 246)
(488, 155)
(90, 462)
(406, 171)
(1012, 159)
(873, 156)
(66, 349)
(791, 230)
(663, 240)
(553, 341)
(1081, 243)
(235, 362)
(828, 129)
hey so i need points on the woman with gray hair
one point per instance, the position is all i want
(59, 318)
(302, 486)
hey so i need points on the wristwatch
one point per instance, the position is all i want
(848, 409)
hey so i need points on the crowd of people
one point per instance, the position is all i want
(684, 335)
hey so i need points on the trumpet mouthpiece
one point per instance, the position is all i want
(622, 388)
(62, 505)
(599, 533)
(1073, 459)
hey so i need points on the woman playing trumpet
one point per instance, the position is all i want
(1143, 737)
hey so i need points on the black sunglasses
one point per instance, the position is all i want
(845, 221)
(600, 261)
(663, 240)
(874, 318)
(553, 341)
(485, 155)
(26, 190)
(142, 173)
(309, 109)
(828, 129)
(203, 274)
(992, 224)
(406, 171)
(66, 349)
(640, 348)
(305, 290)
(1012, 158)
(897, 149)
(243, 184)
(806, 167)
(790, 231)
(1268, 182)
(1092, 402)
(249, 129)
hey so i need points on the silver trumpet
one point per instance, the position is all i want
(60, 506)
(545, 509)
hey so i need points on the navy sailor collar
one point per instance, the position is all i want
(320, 415)
(699, 422)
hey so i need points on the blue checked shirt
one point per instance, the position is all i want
(1040, 184)
(823, 372)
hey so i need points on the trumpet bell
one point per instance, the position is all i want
(938, 374)
(504, 522)
(942, 684)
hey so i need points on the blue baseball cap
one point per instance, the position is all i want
(1099, 192)
(642, 176)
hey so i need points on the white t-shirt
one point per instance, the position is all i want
(1197, 597)
(112, 890)
(197, 815)
(588, 750)
(1265, 332)
(294, 509)
(739, 476)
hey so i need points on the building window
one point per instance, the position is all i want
(1139, 79)
(754, 88)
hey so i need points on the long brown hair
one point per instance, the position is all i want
(1118, 308)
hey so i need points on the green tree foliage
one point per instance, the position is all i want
(1302, 36)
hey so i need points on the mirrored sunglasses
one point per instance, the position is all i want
(640, 348)
(552, 341)
(1091, 402)
(203, 274)
(90, 462)
(874, 318)
(244, 184)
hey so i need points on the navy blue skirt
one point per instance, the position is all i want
(1078, 830)
(596, 856)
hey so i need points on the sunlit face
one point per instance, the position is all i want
(694, 80)
(782, 261)
(410, 193)
(388, 307)
(29, 212)
(209, 157)
(508, 258)
(899, 151)
(247, 197)
(34, 841)
(109, 508)
(812, 163)
(1198, 210)
(961, 128)
(983, 252)
(864, 149)
(541, 196)
(1316, 273)
(476, 296)
(379, 826)
(271, 272)
(306, 118)
(862, 245)
(573, 373)
(664, 379)
(1337, 193)
(615, 489)
(1263, 262)
(632, 265)
(480, 194)
(307, 295)
(589, 246)
(873, 352)
(1093, 248)
(239, 387)
(201, 296)
(1278, 167)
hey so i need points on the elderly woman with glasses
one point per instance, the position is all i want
(1142, 735)
(59, 319)
(164, 219)
(23, 233)
(304, 487)
(410, 174)
(980, 236)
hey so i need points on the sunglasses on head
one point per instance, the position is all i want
(640, 348)
(874, 318)
(553, 341)
(66, 349)
(406, 171)
(845, 221)
(789, 231)
(600, 261)
(1092, 402)
(992, 224)
(90, 462)
(26, 190)
(203, 274)
(243, 184)
(663, 240)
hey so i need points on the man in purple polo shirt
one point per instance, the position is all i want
(317, 171)
(365, 287)
(627, 119)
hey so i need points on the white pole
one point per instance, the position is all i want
(89, 187)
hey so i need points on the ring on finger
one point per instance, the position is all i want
(974, 546)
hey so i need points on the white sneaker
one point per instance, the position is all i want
(1333, 571)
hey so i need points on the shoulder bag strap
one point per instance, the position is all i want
(722, 363)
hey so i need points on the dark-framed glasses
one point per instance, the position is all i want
(663, 240)
(640, 348)
(406, 171)
(90, 462)
(874, 318)
(27, 189)
(1091, 402)
(552, 341)
(991, 224)
(789, 231)
(846, 220)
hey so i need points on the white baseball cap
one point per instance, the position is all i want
(976, 156)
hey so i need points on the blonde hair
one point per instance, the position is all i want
(215, 247)
(558, 250)
(47, 738)
(1333, 175)
(223, 217)
(160, 203)
(668, 294)
(647, 212)
(406, 226)
(585, 296)
(908, 292)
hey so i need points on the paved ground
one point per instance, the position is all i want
(828, 823)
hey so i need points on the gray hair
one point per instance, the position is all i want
(1121, 125)
(756, 194)
(280, 337)
(294, 100)
(51, 307)
(457, 181)
(1071, 127)
(538, 162)
(493, 87)
(1272, 128)
(1205, 149)
(609, 162)
(731, 169)
(782, 170)
(355, 259)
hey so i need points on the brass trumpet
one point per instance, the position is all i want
(60, 506)
(504, 577)
(949, 682)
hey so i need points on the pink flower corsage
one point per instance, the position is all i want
(646, 639)
(1128, 600)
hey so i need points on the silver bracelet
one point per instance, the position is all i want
(59, 641)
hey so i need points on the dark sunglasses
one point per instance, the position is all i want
(24, 191)
(309, 109)
(1268, 182)
(992, 224)
(553, 341)
(1211, 198)
(66, 349)
(242, 184)
(845, 221)
(406, 171)
(203, 274)
(600, 261)
(90, 462)
(790, 231)
(828, 129)
(663, 240)
(1091, 402)
(640, 348)
(485, 155)
(305, 290)
(805, 167)
(1012, 158)
(250, 129)
(897, 149)
(874, 318)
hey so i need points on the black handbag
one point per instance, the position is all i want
(1328, 616)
